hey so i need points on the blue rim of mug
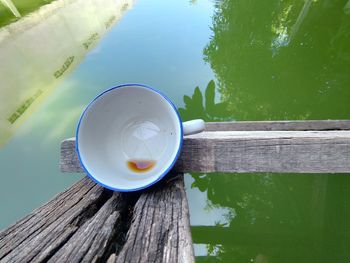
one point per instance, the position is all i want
(161, 175)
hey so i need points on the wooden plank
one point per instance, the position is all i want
(252, 151)
(273, 151)
(69, 161)
(160, 231)
(69, 158)
(88, 223)
(312, 125)
(44, 216)
(46, 229)
(89, 242)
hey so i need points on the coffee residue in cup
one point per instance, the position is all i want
(141, 166)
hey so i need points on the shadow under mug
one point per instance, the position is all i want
(130, 136)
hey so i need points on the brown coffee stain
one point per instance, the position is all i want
(140, 166)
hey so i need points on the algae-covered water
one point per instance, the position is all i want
(217, 60)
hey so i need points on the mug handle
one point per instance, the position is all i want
(193, 126)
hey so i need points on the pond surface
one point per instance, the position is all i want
(217, 60)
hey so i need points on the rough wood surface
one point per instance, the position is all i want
(90, 241)
(87, 223)
(312, 125)
(36, 236)
(160, 229)
(69, 158)
(252, 151)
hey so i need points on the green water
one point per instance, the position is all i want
(24, 7)
(217, 60)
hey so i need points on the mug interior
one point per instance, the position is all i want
(129, 124)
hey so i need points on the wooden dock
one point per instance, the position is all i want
(91, 224)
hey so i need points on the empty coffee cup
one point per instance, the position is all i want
(130, 136)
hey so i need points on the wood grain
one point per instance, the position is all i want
(89, 242)
(88, 223)
(252, 151)
(160, 229)
(44, 230)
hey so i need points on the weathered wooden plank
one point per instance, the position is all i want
(26, 226)
(253, 151)
(38, 235)
(160, 230)
(63, 206)
(87, 223)
(89, 242)
(312, 125)
(69, 161)
(273, 151)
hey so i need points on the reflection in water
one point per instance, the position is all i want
(262, 73)
(39, 50)
(274, 60)
(209, 110)
(281, 60)
(347, 8)
(276, 217)
(9, 4)
(144, 36)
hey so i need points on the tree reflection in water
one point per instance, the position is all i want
(281, 59)
(208, 109)
(266, 209)
(276, 60)
(273, 217)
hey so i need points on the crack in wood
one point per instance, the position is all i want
(56, 227)
(91, 224)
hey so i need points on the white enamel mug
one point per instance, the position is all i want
(130, 136)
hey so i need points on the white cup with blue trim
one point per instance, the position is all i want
(130, 136)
